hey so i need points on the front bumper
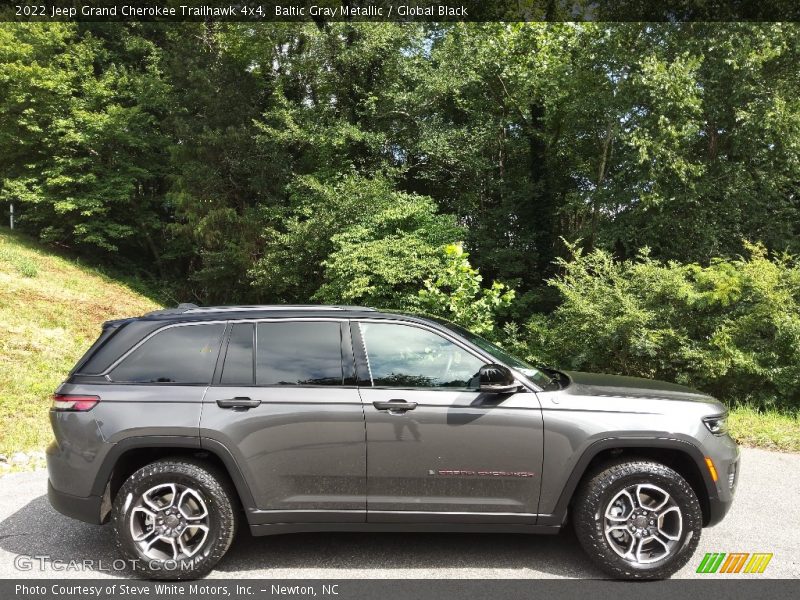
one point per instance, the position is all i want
(727, 463)
(82, 508)
(717, 511)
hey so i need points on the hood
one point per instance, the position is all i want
(598, 384)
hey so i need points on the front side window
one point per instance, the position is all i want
(299, 353)
(406, 356)
(184, 354)
(538, 376)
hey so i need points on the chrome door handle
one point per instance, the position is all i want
(396, 406)
(238, 402)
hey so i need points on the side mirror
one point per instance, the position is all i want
(497, 379)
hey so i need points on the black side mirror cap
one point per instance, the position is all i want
(497, 379)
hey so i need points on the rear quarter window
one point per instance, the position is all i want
(183, 354)
(99, 358)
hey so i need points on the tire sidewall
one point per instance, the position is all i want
(612, 482)
(219, 520)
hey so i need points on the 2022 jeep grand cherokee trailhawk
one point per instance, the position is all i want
(180, 425)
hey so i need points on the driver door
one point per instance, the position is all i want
(436, 445)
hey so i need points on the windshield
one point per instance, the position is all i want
(538, 376)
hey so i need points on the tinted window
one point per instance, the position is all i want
(297, 353)
(404, 356)
(125, 337)
(238, 367)
(183, 354)
(538, 376)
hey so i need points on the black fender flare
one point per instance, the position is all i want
(183, 442)
(579, 470)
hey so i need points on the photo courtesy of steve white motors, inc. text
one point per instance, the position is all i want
(139, 589)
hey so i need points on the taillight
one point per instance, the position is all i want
(74, 402)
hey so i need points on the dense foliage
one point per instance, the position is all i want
(341, 162)
(731, 328)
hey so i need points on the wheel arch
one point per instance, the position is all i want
(132, 453)
(680, 455)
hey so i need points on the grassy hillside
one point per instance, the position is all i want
(51, 309)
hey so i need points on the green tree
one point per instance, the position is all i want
(83, 153)
(205, 154)
(355, 240)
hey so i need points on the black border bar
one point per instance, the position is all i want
(321, 11)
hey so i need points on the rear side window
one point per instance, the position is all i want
(184, 354)
(299, 353)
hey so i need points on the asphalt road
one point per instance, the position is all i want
(765, 518)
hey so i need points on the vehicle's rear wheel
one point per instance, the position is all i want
(174, 519)
(638, 520)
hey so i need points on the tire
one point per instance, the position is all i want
(186, 543)
(611, 498)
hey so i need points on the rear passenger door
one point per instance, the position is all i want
(284, 402)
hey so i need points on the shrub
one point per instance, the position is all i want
(456, 293)
(383, 250)
(731, 328)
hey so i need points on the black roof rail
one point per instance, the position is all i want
(189, 308)
(261, 307)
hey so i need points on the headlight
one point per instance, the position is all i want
(717, 425)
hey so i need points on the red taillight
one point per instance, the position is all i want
(74, 402)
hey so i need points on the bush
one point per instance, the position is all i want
(350, 240)
(385, 249)
(456, 293)
(731, 328)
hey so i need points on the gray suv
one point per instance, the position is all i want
(181, 425)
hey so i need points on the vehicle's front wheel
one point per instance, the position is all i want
(174, 519)
(638, 520)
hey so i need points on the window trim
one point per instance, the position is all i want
(366, 354)
(223, 356)
(449, 337)
(107, 373)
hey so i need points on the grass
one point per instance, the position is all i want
(51, 309)
(771, 430)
